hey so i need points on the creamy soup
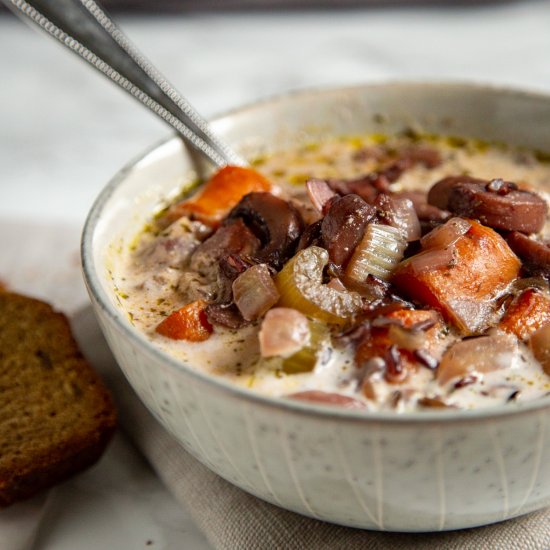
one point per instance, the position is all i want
(368, 272)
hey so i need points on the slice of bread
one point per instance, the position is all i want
(56, 417)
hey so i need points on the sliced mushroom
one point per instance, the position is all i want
(311, 235)
(226, 315)
(216, 262)
(230, 238)
(343, 226)
(496, 203)
(535, 254)
(274, 221)
(439, 193)
(429, 157)
(477, 356)
(367, 187)
(499, 205)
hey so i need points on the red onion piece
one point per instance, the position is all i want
(406, 218)
(447, 234)
(431, 260)
(319, 192)
(254, 292)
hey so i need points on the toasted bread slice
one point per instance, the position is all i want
(56, 417)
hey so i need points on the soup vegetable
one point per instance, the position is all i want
(374, 273)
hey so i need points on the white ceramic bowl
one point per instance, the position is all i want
(423, 471)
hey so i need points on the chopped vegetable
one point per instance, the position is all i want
(540, 346)
(499, 204)
(434, 258)
(343, 226)
(535, 253)
(306, 358)
(328, 398)
(527, 313)
(378, 253)
(439, 192)
(254, 292)
(187, 323)
(425, 212)
(284, 332)
(447, 234)
(463, 290)
(478, 356)
(276, 222)
(386, 341)
(319, 193)
(399, 212)
(219, 194)
(300, 284)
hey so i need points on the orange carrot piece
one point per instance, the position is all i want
(465, 290)
(219, 194)
(187, 323)
(526, 314)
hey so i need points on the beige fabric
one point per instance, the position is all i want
(232, 519)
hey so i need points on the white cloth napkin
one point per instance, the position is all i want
(19, 523)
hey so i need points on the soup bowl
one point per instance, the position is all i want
(419, 471)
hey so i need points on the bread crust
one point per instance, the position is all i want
(56, 416)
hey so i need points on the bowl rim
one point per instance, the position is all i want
(92, 277)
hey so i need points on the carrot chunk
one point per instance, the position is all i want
(526, 314)
(187, 323)
(464, 290)
(219, 194)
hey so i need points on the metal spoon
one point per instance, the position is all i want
(85, 28)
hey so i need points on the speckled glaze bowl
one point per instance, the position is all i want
(425, 471)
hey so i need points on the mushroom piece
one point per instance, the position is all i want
(275, 222)
(216, 262)
(439, 193)
(499, 205)
(344, 225)
(496, 203)
(478, 356)
(535, 254)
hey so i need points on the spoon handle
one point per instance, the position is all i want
(85, 28)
